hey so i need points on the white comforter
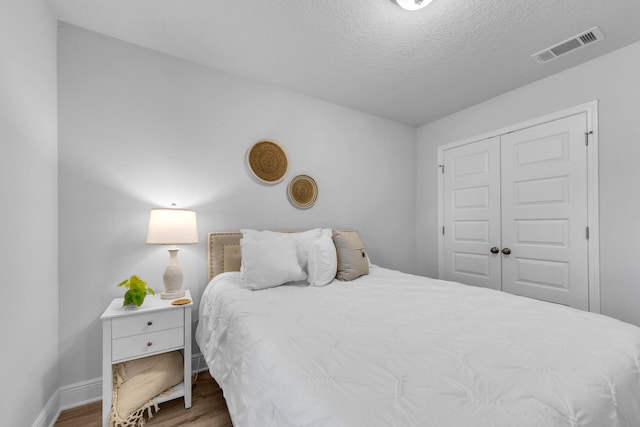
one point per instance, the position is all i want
(392, 349)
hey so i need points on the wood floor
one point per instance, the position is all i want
(208, 409)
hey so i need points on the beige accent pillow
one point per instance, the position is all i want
(140, 380)
(352, 258)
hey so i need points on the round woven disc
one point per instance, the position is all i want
(268, 161)
(303, 191)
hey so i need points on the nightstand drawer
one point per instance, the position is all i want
(147, 322)
(145, 344)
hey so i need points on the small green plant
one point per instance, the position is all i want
(137, 290)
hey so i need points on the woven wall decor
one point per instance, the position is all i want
(268, 161)
(303, 191)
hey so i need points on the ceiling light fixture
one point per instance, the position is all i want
(412, 4)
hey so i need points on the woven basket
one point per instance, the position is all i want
(268, 162)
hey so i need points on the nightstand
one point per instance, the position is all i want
(133, 332)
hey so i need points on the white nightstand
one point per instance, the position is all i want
(133, 332)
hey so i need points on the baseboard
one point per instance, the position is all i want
(78, 394)
(50, 412)
(198, 363)
(81, 393)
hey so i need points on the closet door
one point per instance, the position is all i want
(544, 212)
(472, 214)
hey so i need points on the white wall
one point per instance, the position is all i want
(28, 210)
(614, 80)
(140, 129)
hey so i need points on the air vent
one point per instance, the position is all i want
(570, 45)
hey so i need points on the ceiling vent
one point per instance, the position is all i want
(581, 40)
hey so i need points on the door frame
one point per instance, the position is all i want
(591, 110)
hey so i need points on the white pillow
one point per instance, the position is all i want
(303, 241)
(323, 260)
(267, 263)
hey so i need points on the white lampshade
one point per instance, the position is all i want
(412, 4)
(172, 227)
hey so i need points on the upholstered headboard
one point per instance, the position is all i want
(224, 252)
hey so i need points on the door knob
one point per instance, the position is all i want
(495, 250)
(506, 251)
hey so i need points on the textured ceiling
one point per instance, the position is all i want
(370, 55)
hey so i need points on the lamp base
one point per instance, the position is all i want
(172, 294)
(172, 277)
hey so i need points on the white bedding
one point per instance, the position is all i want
(392, 349)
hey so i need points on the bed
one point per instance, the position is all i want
(394, 349)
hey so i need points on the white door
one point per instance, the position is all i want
(544, 212)
(472, 214)
(524, 194)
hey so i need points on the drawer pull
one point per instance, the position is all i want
(149, 344)
(149, 323)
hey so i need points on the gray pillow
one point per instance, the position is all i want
(352, 258)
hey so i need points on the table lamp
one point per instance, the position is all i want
(172, 226)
